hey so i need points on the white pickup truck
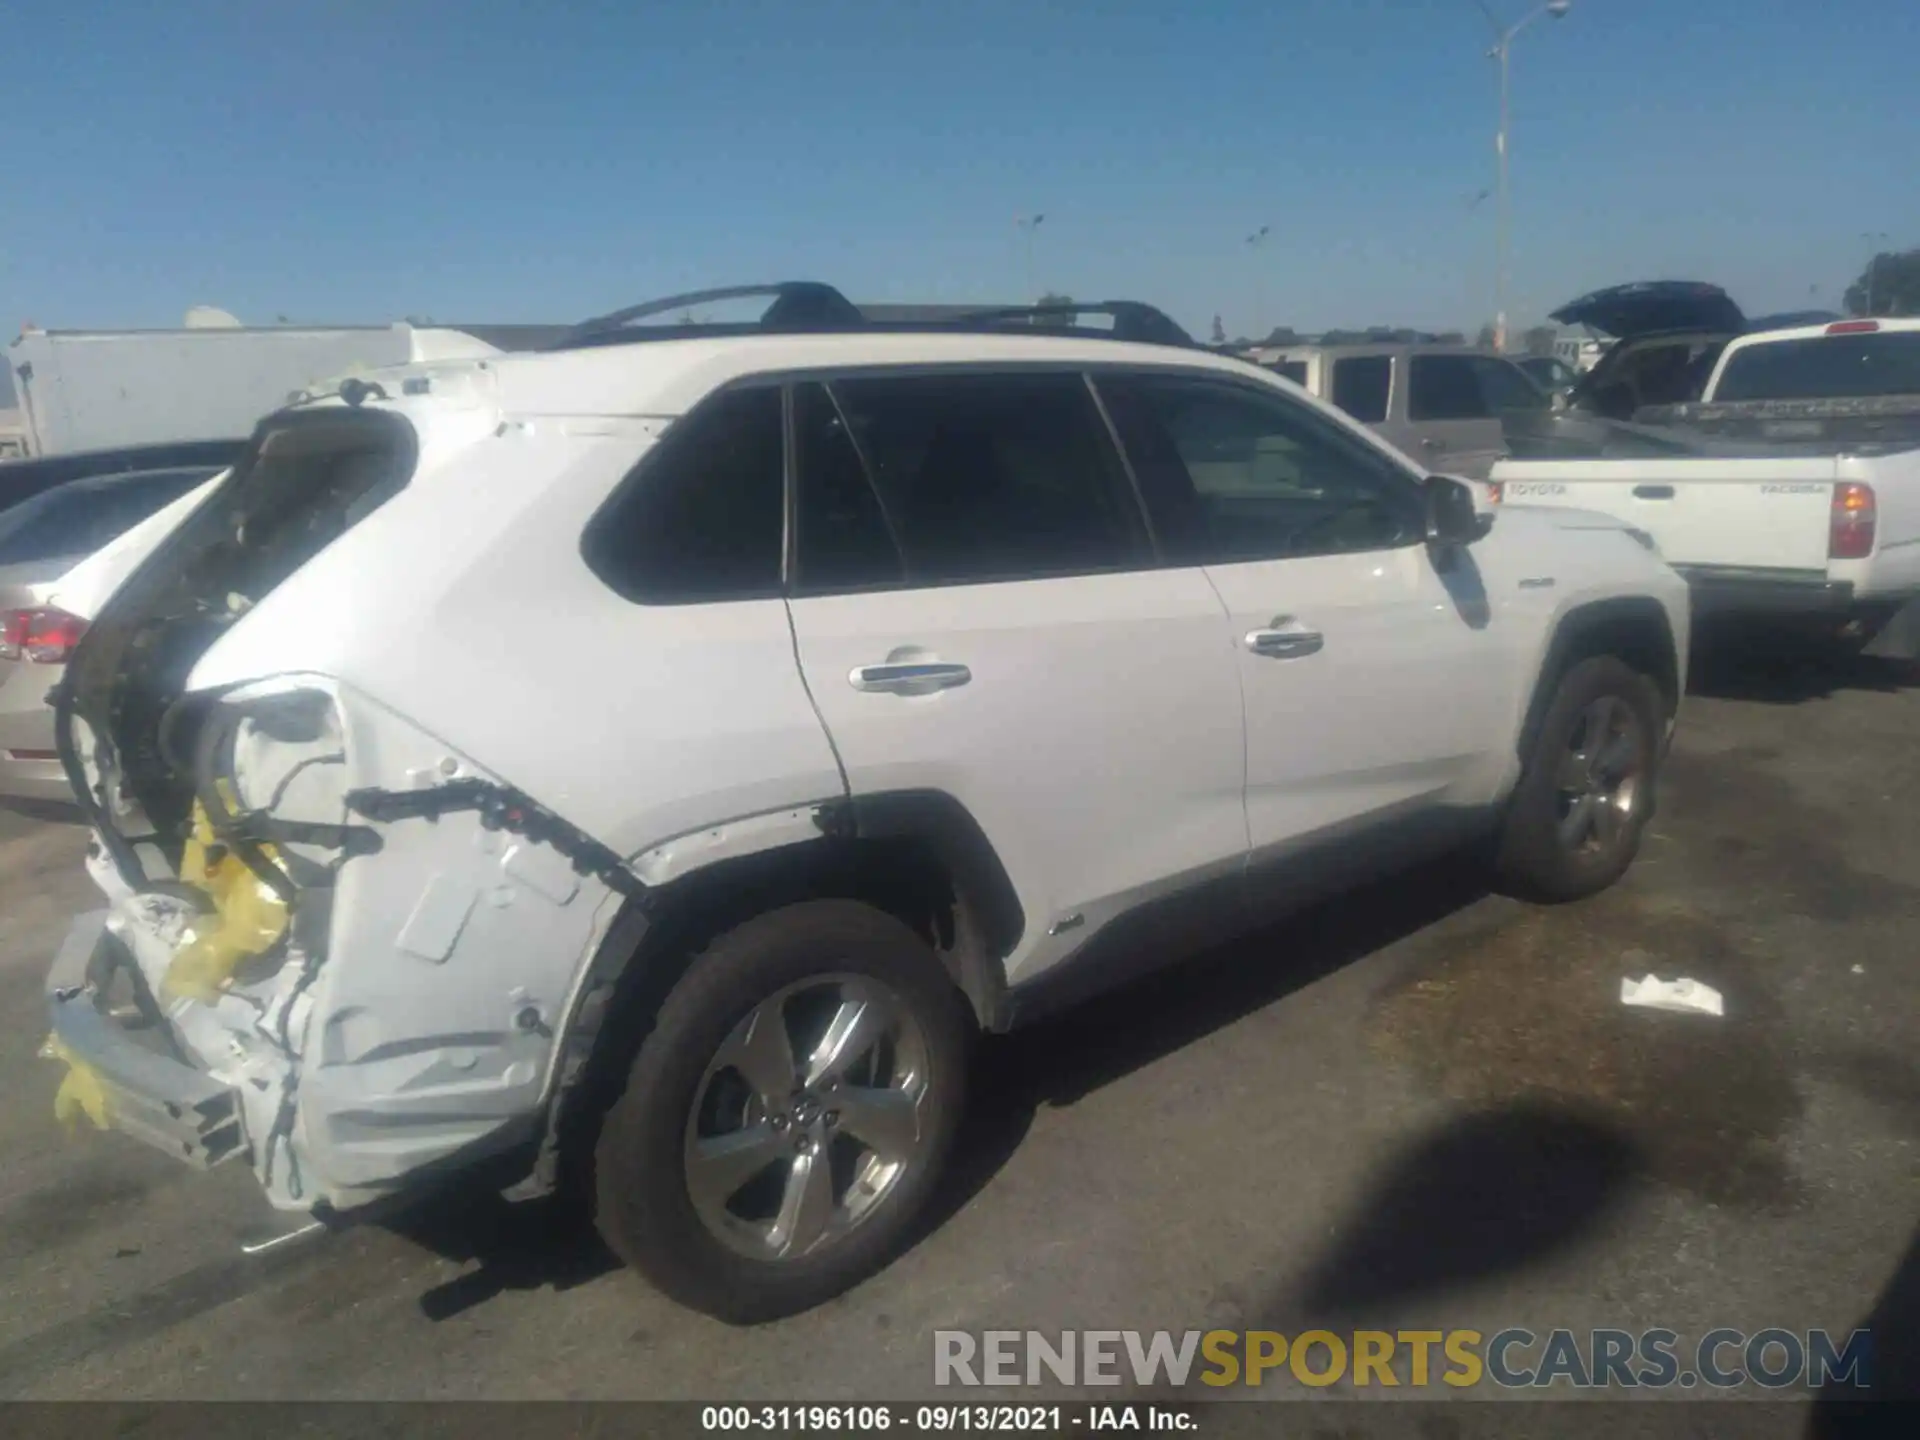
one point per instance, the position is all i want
(1792, 487)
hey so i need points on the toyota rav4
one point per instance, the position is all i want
(665, 754)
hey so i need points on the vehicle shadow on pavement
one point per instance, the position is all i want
(47, 812)
(1059, 1061)
(545, 1244)
(1893, 1372)
(1740, 667)
(1483, 1195)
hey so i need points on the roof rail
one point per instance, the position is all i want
(1132, 320)
(809, 307)
(799, 306)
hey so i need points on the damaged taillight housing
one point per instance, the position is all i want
(1850, 534)
(44, 635)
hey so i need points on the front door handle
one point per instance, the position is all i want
(908, 677)
(1285, 644)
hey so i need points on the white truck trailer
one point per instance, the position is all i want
(84, 390)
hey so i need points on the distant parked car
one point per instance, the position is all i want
(1550, 373)
(1446, 406)
(40, 541)
(1667, 336)
(23, 479)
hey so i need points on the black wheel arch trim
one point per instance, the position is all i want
(986, 901)
(1606, 627)
(984, 895)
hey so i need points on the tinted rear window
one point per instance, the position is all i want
(1360, 386)
(1824, 367)
(701, 518)
(81, 517)
(1294, 370)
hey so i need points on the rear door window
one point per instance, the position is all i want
(1824, 367)
(1445, 387)
(1294, 370)
(1361, 384)
(1504, 386)
(991, 477)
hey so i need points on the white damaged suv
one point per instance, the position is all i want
(666, 753)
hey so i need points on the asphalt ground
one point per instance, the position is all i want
(1420, 1107)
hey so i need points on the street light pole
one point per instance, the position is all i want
(1504, 36)
(1875, 239)
(1254, 241)
(1030, 223)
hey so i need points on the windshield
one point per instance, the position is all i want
(1824, 367)
(78, 518)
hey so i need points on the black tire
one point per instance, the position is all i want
(1860, 628)
(1533, 857)
(643, 1202)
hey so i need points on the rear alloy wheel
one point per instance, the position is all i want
(808, 1116)
(788, 1117)
(1586, 788)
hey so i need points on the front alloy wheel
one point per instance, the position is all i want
(1600, 777)
(1587, 783)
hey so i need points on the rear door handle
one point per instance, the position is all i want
(1653, 492)
(909, 677)
(1285, 644)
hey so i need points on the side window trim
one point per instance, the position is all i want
(887, 517)
(794, 576)
(1136, 497)
(789, 492)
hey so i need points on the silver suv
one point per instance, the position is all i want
(1447, 406)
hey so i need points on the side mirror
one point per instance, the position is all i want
(1453, 520)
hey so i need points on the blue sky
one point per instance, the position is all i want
(346, 160)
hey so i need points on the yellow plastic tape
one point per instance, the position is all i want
(80, 1093)
(247, 919)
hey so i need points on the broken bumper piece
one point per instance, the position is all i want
(142, 1090)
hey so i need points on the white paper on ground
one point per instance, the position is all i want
(1687, 997)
